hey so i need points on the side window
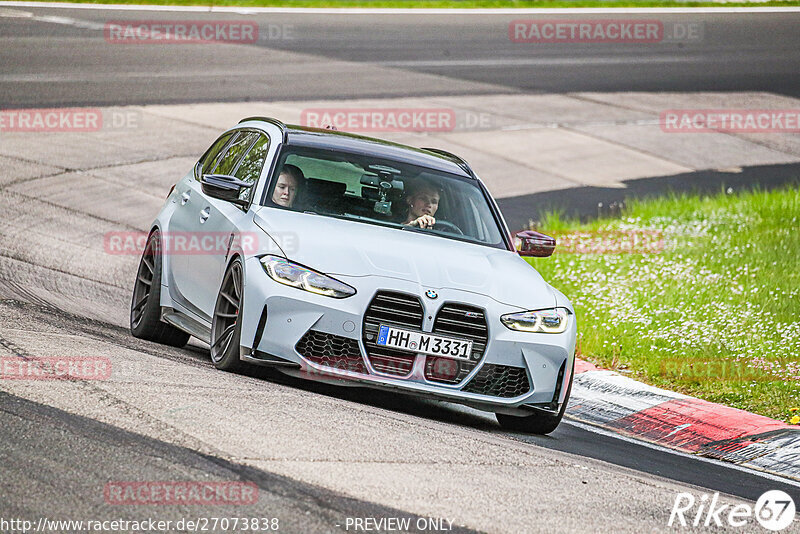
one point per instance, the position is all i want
(250, 168)
(212, 155)
(235, 152)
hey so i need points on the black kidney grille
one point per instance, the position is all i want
(464, 322)
(499, 381)
(396, 309)
(331, 351)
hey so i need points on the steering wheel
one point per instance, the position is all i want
(447, 226)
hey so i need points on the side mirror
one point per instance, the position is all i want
(225, 187)
(532, 243)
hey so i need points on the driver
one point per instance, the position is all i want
(423, 201)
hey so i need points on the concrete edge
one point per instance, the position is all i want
(625, 406)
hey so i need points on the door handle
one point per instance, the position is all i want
(185, 196)
(204, 215)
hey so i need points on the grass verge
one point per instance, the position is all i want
(447, 4)
(697, 294)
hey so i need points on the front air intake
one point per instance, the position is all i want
(331, 351)
(499, 381)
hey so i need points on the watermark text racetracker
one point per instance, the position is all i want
(68, 119)
(181, 493)
(394, 119)
(634, 31)
(194, 31)
(638, 241)
(196, 243)
(55, 368)
(742, 370)
(730, 120)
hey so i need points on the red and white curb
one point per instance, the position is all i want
(628, 407)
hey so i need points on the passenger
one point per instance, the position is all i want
(290, 184)
(423, 201)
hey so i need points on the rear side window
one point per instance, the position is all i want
(235, 152)
(250, 168)
(212, 155)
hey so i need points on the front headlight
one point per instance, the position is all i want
(285, 272)
(550, 321)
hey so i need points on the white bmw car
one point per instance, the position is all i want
(356, 261)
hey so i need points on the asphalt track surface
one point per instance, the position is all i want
(54, 460)
(59, 57)
(37, 484)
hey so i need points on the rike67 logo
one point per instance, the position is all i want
(774, 510)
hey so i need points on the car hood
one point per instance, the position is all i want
(348, 248)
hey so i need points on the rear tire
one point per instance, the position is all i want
(226, 328)
(145, 317)
(538, 423)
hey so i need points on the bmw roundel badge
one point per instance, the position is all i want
(431, 294)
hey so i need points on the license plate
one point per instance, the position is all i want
(446, 347)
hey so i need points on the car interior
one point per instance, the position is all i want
(371, 190)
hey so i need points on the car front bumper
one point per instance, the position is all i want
(276, 317)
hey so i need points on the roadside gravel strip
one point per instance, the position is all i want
(620, 404)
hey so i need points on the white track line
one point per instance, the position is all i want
(510, 62)
(407, 11)
(730, 465)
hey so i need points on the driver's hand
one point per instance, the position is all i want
(424, 221)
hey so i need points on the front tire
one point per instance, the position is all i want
(539, 423)
(226, 326)
(145, 317)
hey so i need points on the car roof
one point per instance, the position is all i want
(295, 135)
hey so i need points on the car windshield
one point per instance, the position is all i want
(374, 190)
